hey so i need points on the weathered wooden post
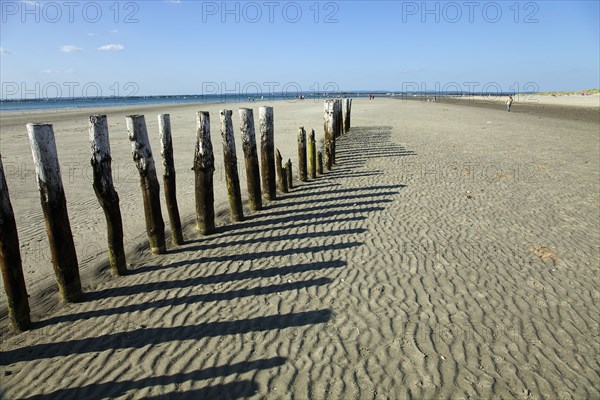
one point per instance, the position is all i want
(339, 120)
(325, 127)
(302, 170)
(329, 135)
(10, 262)
(289, 174)
(166, 151)
(267, 152)
(319, 163)
(106, 193)
(54, 205)
(281, 174)
(251, 158)
(337, 125)
(204, 168)
(231, 171)
(144, 161)
(312, 155)
(347, 112)
(285, 179)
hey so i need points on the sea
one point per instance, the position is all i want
(86, 102)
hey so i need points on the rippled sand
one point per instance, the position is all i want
(452, 253)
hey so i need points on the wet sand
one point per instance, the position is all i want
(571, 108)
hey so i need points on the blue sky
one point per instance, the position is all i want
(194, 47)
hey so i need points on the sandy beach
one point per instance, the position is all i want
(451, 253)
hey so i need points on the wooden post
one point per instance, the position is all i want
(312, 155)
(54, 205)
(166, 151)
(302, 170)
(325, 127)
(347, 111)
(267, 152)
(329, 136)
(251, 158)
(339, 128)
(10, 262)
(319, 163)
(106, 194)
(281, 174)
(289, 175)
(204, 168)
(231, 171)
(337, 125)
(144, 161)
(286, 188)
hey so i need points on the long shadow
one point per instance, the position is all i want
(289, 218)
(344, 206)
(212, 279)
(178, 301)
(311, 185)
(293, 224)
(368, 142)
(336, 174)
(269, 239)
(153, 336)
(251, 256)
(344, 191)
(120, 388)
(325, 198)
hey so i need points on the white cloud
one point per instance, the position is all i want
(112, 47)
(91, 34)
(46, 71)
(114, 31)
(173, 1)
(68, 48)
(4, 51)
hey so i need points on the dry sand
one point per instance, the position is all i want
(452, 253)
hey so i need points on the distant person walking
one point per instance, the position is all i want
(509, 103)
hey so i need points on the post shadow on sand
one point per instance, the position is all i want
(370, 190)
(142, 337)
(364, 143)
(289, 220)
(344, 208)
(187, 300)
(369, 142)
(286, 224)
(323, 201)
(237, 389)
(335, 174)
(217, 278)
(252, 256)
(223, 243)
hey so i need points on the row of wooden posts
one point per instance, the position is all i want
(273, 176)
